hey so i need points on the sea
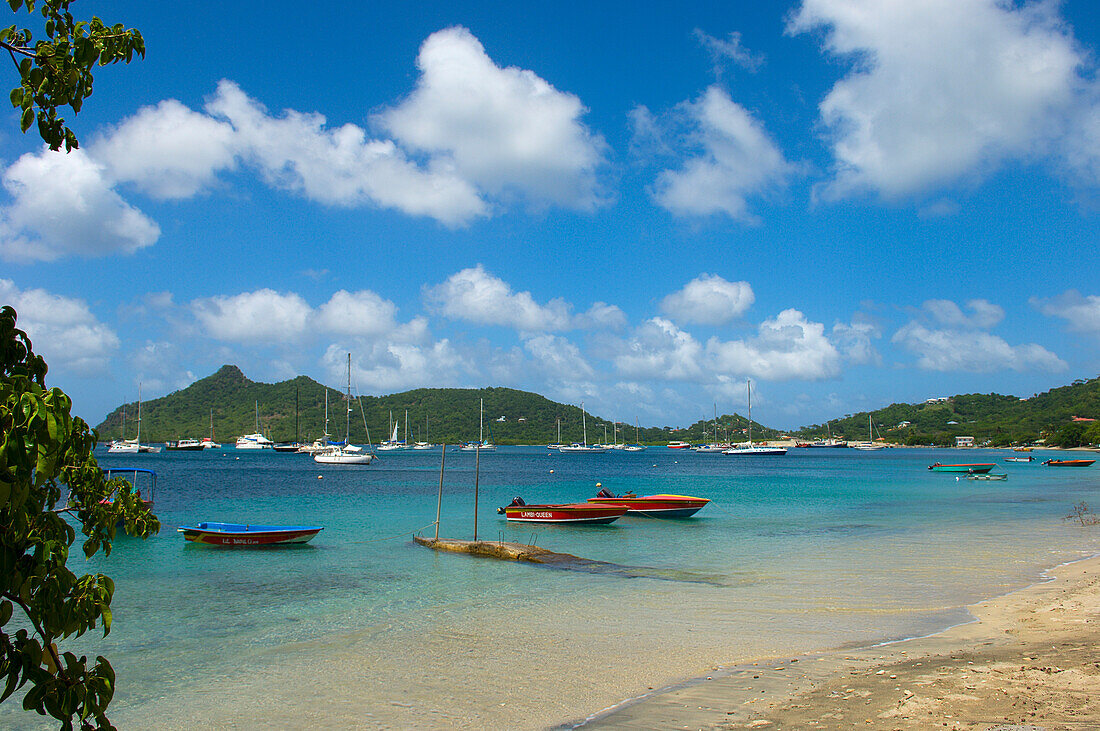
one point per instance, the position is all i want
(362, 628)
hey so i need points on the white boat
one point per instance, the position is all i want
(346, 453)
(871, 445)
(637, 445)
(208, 442)
(256, 440)
(711, 448)
(482, 444)
(748, 449)
(393, 443)
(423, 444)
(132, 446)
(585, 448)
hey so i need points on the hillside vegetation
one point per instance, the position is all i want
(451, 415)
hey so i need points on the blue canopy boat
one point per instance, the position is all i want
(237, 534)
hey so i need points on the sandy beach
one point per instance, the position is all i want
(1028, 661)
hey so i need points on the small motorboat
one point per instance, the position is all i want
(1028, 458)
(145, 486)
(236, 534)
(1068, 462)
(998, 476)
(575, 513)
(976, 468)
(653, 506)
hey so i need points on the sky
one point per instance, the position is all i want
(850, 203)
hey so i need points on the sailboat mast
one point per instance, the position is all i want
(748, 395)
(347, 429)
(481, 424)
(139, 416)
(584, 425)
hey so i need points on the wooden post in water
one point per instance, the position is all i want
(439, 504)
(477, 475)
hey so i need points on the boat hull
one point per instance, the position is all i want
(235, 534)
(656, 506)
(1069, 462)
(577, 513)
(977, 468)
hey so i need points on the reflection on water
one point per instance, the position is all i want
(820, 549)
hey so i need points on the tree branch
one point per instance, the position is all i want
(46, 643)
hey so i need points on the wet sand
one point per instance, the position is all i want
(1031, 660)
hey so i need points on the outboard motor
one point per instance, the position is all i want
(517, 502)
(604, 492)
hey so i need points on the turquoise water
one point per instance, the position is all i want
(362, 628)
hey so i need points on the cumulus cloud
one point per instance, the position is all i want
(972, 351)
(63, 330)
(263, 316)
(341, 166)
(984, 314)
(939, 89)
(853, 340)
(708, 300)
(658, 350)
(62, 204)
(1080, 312)
(947, 339)
(558, 358)
(602, 316)
(385, 366)
(476, 296)
(167, 150)
(788, 347)
(504, 129)
(737, 159)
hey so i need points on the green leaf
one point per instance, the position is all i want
(5, 612)
(17, 96)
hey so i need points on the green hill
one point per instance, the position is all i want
(231, 400)
(1000, 420)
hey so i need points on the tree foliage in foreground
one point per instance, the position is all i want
(48, 474)
(56, 71)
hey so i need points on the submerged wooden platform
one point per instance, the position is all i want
(507, 551)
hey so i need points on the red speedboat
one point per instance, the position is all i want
(580, 513)
(653, 506)
(1068, 462)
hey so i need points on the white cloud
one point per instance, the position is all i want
(357, 313)
(984, 315)
(972, 351)
(385, 367)
(62, 204)
(501, 128)
(658, 350)
(263, 316)
(168, 151)
(62, 329)
(558, 358)
(1082, 313)
(940, 89)
(723, 50)
(476, 296)
(738, 160)
(708, 300)
(341, 166)
(854, 342)
(788, 347)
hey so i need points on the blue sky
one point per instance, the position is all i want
(850, 202)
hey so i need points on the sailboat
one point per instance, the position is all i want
(392, 443)
(425, 444)
(122, 445)
(292, 446)
(482, 444)
(748, 448)
(869, 445)
(256, 440)
(557, 444)
(713, 447)
(347, 453)
(586, 448)
(637, 445)
(321, 443)
(208, 442)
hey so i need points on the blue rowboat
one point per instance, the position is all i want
(237, 534)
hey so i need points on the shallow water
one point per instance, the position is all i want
(362, 628)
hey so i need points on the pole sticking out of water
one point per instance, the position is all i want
(439, 503)
(477, 476)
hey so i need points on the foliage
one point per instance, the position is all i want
(56, 71)
(44, 449)
(1082, 514)
(1002, 420)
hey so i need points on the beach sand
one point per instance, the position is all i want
(1031, 660)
